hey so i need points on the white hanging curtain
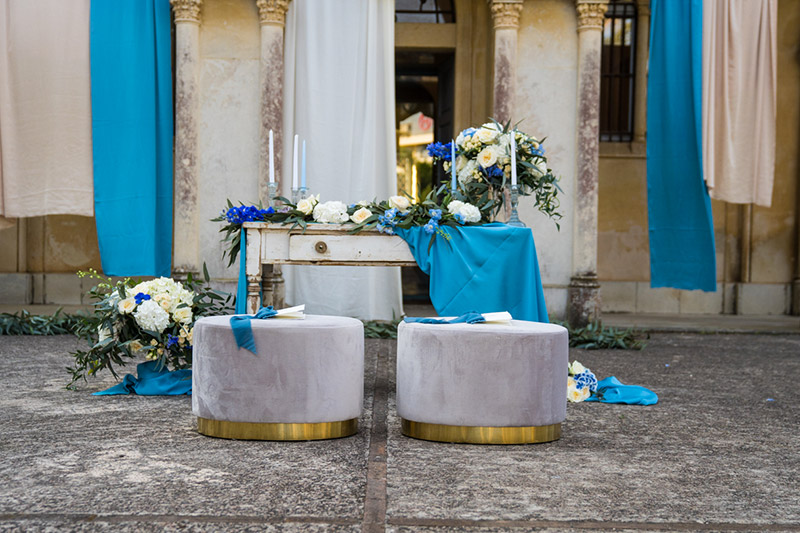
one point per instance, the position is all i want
(45, 109)
(339, 97)
(739, 97)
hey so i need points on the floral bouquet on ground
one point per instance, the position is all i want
(152, 318)
(385, 216)
(483, 167)
(581, 382)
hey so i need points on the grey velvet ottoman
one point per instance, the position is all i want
(482, 383)
(306, 381)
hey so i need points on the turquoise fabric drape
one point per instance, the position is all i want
(486, 269)
(152, 381)
(681, 229)
(132, 135)
(241, 286)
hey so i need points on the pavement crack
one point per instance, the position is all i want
(375, 501)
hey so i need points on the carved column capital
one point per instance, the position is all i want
(186, 10)
(505, 13)
(591, 14)
(272, 11)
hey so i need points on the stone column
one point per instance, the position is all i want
(584, 291)
(185, 244)
(272, 15)
(640, 83)
(505, 14)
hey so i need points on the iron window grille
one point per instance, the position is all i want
(618, 72)
(431, 11)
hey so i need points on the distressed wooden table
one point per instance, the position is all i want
(272, 245)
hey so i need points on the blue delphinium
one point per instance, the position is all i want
(141, 297)
(172, 340)
(493, 171)
(586, 379)
(431, 227)
(388, 220)
(248, 213)
(435, 214)
(441, 151)
(459, 218)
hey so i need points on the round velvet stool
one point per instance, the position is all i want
(482, 383)
(305, 381)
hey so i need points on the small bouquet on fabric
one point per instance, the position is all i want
(581, 382)
(385, 216)
(483, 167)
(152, 318)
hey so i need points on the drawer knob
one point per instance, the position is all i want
(321, 247)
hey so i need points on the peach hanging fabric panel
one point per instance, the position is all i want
(45, 108)
(739, 95)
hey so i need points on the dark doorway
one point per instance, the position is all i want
(424, 90)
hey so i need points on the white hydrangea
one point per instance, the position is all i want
(468, 172)
(151, 317)
(333, 212)
(470, 212)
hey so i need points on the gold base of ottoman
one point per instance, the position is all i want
(265, 431)
(481, 434)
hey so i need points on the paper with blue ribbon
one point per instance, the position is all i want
(243, 330)
(466, 318)
(153, 380)
(612, 390)
(490, 268)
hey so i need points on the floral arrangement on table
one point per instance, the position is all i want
(493, 157)
(385, 216)
(152, 318)
(488, 160)
(581, 382)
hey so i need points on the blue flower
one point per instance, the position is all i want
(493, 172)
(141, 297)
(440, 151)
(172, 340)
(431, 227)
(586, 379)
(250, 213)
(436, 214)
(459, 218)
(385, 229)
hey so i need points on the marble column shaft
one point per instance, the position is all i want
(584, 292)
(505, 14)
(272, 15)
(640, 87)
(186, 249)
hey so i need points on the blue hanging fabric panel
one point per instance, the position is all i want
(485, 269)
(132, 135)
(681, 228)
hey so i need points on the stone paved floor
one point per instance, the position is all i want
(718, 453)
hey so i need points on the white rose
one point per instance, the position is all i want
(488, 156)
(460, 162)
(361, 215)
(541, 166)
(333, 212)
(487, 133)
(400, 202)
(576, 368)
(183, 314)
(164, 300)
(306, 205)
(126, 306)
(574, 394)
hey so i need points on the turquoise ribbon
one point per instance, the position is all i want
(243, 330)
(153, 380)
(468, 318)
(612, 390)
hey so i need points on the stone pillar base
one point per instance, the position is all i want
(796, 296)
(583, 304)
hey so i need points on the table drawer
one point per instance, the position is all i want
(357, 249)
